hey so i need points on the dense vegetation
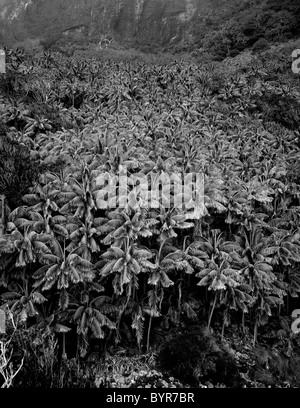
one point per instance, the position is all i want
(236, 26)
(81, 282)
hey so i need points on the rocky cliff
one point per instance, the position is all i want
(135, 21)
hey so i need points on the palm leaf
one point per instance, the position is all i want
(107, 269)
(78, 314)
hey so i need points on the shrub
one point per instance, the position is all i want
(261, 44)
(195, 355)
(284, 110)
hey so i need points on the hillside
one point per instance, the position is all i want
(215, 25)
(138, 21)
(111, 273)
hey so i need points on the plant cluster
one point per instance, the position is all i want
(251, 24)
(99, 277)
(195, 355)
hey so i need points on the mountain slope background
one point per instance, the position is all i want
(224, 28)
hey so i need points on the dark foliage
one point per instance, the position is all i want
(18, 171)
(195, 355)
(255, 26)
(43, 367)
(284, 110)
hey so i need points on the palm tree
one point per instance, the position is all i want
(63, 269)
(209, 196)
(218, 277)
(257, 271)
(124, 264)
(84, 234)
(80, 197)
(215, 246)
(43, 198)
(283, 250)
(170, 220)
(134, 225)
(91, 316)
(41, 223)
(29, 246)
(21, 301)
(164, 263)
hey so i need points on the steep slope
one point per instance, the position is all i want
(141, 21)
(222, 27)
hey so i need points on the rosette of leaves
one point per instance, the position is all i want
(283, 247)
(46, 224)
(42, 199)
(215, 246)
(170, 220)
(121, 225)
(29, 246)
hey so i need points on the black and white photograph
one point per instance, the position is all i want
(149, 198)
